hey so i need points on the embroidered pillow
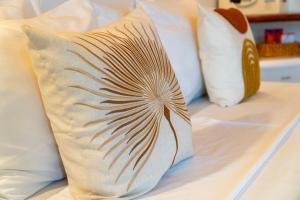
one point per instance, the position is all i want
(115, 106)
(228, 56)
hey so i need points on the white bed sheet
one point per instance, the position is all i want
(231, 147)
(280, 178)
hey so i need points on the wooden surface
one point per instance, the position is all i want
(273, 18)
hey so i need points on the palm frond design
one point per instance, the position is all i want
(139, 88)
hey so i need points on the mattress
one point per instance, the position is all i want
(233, 148)
(280, 178)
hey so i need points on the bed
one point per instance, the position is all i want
(248, 151)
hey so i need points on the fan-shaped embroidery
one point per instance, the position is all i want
(251, 68)
(139, 88)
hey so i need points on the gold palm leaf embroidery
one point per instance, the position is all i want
(139, 88)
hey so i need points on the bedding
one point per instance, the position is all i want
(176, 30)
(121, 6)
(280, 178)
(114, 104)
(11, 9)
(228, 54)
(233, 145)
(124, 6)
(17, 9)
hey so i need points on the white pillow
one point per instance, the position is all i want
(42, 6)
(11, 9)
(228, 54)
(17, 9)
(115, 106)
(28, 154)
(176, 33)
(106, 11)
(110, 11)
(122, 6)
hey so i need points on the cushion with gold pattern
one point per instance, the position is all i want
(228, 54)
(115, 106)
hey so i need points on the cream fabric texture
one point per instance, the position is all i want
(16, 9)
(220, 52)
(110, 11)
(29, 159)
(122, 6)
(115, 106)
(11, 9)
(176, 30)
(231, 166)
(106, 11)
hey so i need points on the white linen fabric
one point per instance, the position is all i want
(106, 11)
(110, 11)
(41, 6)
(121, 6)
(230, 146)
(29, 158)
(224, 64)
(16, 9)
(280, 178)
(11, 9)
(115, 106)
(176, 30)
(184, 8)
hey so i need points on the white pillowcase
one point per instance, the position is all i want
(110, 11)
(11, 9)
(28, 154)
(115, 106)
(121, 6)
(16, 9)
(106, 11)
(42, 6)
(230, 75)
(175, 29)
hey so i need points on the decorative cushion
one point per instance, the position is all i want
(176, 32)
(115, 106)
(228, 56)
(29, 159)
